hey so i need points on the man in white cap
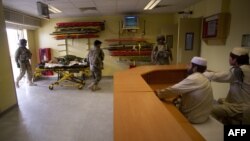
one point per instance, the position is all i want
(195, 91)
(232, 109)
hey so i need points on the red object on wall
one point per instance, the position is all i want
(44, 55)
(75, 24)
(76, 36)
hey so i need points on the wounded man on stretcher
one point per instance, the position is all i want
(66, 67)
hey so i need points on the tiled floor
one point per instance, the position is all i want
(63, 114)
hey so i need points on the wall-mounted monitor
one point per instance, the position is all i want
(130, 22)
(43, 10)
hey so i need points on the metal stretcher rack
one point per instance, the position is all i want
(66, 73)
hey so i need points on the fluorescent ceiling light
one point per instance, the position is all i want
(151, 4)
(53, 9)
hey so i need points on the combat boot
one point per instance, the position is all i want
(95, 88)
(90, 86)
(32, 84)
(17, 84)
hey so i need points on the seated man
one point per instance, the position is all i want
(196, 92)
(231, 110)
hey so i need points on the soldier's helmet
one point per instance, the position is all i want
(22, 41)
(160, 37)
(97, 42)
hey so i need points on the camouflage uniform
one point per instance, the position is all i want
(22, 57)
(95, 59)
(161, 54)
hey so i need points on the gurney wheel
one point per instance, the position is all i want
(80, 87)
(51, 87)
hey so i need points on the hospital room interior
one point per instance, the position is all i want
(72, 92)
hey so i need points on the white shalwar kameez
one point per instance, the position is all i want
(238, 98)
(197, 97)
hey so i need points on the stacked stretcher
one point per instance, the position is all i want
(74, 71)
(129, 47)
(77, 30)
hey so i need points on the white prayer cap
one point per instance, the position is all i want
(199, 61)
(240, 51)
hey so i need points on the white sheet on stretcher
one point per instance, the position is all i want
(52, 65)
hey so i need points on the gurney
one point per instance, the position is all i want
(66, 73)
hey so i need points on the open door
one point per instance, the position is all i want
(14, 35)
(189, 39)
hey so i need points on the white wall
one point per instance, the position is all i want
(7, 88)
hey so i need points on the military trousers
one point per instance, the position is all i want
(25, 67)
(97, 75)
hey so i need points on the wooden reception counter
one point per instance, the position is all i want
(138, 113)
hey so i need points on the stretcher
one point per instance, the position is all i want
(66, 73)
(130, 53)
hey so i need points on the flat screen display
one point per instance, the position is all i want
(131, 22)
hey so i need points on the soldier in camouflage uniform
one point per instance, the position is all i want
(161, 54)
(95, 59)
(22, 57)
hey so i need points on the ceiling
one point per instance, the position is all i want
(72, 8)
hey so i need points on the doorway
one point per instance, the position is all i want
(14, 35)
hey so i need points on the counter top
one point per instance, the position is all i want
(139, 115)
